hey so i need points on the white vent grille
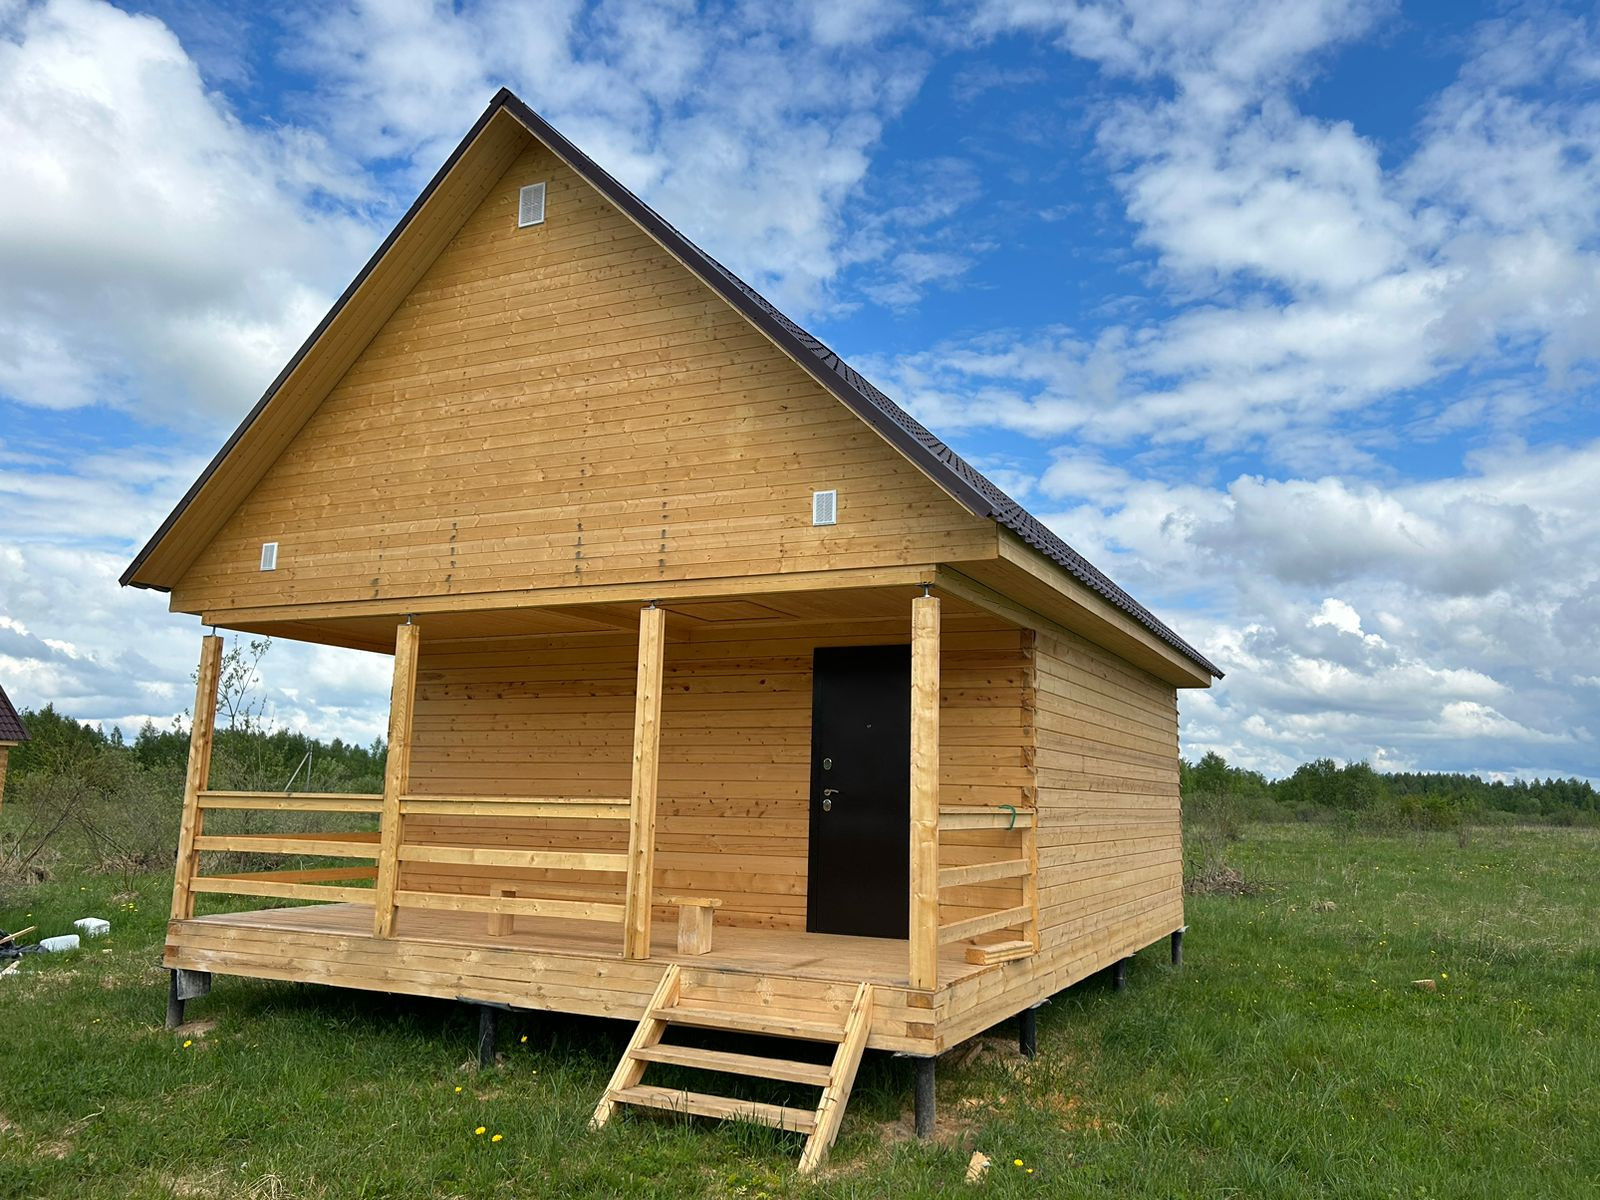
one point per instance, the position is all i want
(530, 206)
(269, 556)
(824, 508)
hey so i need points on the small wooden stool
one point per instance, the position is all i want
(694, 922)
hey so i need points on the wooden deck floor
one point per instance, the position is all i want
(790, 953)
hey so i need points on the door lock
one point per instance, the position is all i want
(827, 798)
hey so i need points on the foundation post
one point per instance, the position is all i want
(926, 1106)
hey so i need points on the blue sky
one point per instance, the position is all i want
(1286, 315)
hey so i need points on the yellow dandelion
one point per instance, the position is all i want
(524, 1037)
(1016, 1162)
(1030, 1170)
(479, 1130)
(458, 1089)
(187, 1044)
(1444, 974)
(497, 1137)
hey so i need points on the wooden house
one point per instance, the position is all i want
(725, 694)
(12, 733)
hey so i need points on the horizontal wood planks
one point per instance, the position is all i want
(568, 966)
(565, 405)
(554, 716)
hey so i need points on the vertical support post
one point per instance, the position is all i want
(1177, 947)
(1119, 975)
(642, 797)
(1028, 1032)
(5, 752)
(925, 1104)
(202, 734)
(924, 922)
(396, 776)
(174, 1001)
(488, 1035)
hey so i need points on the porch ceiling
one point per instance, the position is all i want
(685, 617)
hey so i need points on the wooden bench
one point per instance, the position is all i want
(694, 921)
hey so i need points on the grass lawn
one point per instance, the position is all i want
(1292, 1057)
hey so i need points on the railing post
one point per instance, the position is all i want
(642, 797)
(924, 923)
(396, 776)
(202, 734)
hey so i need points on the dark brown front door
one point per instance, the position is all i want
(860, 844)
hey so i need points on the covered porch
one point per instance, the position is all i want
(596, 781)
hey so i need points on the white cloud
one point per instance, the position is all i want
(1306, 283)
(1405, 624)
(160, 255)
(751, 129)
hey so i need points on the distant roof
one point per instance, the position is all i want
(952, 472)
(11, 727)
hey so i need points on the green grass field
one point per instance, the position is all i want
(1292, 1057)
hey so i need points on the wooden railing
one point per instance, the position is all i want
(507, 903)
(309, 883)
(1017, 860)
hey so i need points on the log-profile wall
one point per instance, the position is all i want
(567, 405)
(552, 716)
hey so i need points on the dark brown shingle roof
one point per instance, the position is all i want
(957, 476)
(11, 727)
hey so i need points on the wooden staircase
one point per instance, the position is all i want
(675, 1003)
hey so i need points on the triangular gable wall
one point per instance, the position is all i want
(567, 404)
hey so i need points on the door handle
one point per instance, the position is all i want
(830, 791)
(827, 798)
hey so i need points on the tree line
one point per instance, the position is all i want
(1424, 799)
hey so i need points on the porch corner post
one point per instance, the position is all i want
(202, 733)
(642, 794)
(924, 924)
(396, 776)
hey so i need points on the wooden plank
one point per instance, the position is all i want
(710, 587)
(348, 802)
(950, 822)
(999, 952)
(842, 1077)
(973, 926)
(331, 845)
(924, 899)
(646, 760)
(751, 1065)
(795, 1120)
(306, 875)
(581, 910)
(396, 776)
(1011, 868)
(630, 1067)
(495, 806)
(201, 737)
(236, 885)
(529, 859)
(776, 1024)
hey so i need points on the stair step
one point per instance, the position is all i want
(816, 1074)
(773, 1024)
(699, 1104)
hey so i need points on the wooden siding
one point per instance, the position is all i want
(553, 716)
(1110, 837)
(567, 405)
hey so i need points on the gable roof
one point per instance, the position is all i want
(939, 461)
(11, 727)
